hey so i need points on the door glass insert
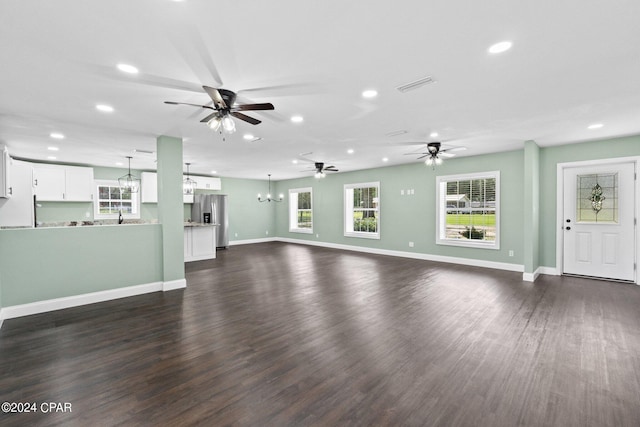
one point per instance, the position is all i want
(597, 198)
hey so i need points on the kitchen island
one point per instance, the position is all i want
(199, 241)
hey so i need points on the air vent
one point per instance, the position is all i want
(143, 151)
(416, 84)
(396, 133)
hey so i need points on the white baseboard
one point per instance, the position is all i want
(38, 307)
(413, 255)
(549, 271)
(174, 284)
(531, 277)
(251, 241)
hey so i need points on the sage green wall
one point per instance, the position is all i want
(170, 206)
(406, 218)
(531, 191)
(45, 263)
(248, 218)
(549, 159)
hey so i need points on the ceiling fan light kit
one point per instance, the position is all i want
(269, 198)
(129, 183)
(224, 108)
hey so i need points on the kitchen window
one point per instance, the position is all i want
(468, 212)
(301, 210)
(109, 201)
(362, 210)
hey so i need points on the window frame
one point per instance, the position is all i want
(294, 210)
(441, 206)
(135, 201)
(349, 209)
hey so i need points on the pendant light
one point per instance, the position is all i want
(188, 185)
(129, 183)
(269, 199)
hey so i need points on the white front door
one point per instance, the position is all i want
(599, 230)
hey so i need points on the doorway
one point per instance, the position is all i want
(598, 214)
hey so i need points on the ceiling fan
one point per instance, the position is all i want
(224, 107)
(319, 167)
(435, 153)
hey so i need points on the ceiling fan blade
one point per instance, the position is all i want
(186, 103)
(209, 117)
(441, 154)
(245, 118)
(254, 107)
(413, 154)
(422, 157)
(215, 97)
(331, 168)
(454, 149)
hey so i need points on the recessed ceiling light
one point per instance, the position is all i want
(385, 159)
(56, 135)
(248, 136)
(433, 134)
(104, 108)
(350, 151)
(51, 157)
(595, 126)
(214, 171)
(500, 47)
(370, 93)
(294, 161)
(119, 164)
(126, 68)
(52, 148)
(297, 119)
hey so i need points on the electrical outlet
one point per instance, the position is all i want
(510, 252)
(410, 244)
(87, 214)
(266, 232)
(402, 192)
(317, 236)
(236, 234)
(412, 191)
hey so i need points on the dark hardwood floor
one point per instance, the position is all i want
(279, 334)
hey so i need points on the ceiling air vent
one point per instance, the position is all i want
(137, 150)
(416, 84)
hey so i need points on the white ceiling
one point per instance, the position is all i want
(573, 64)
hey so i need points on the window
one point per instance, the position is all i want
(300, 210)
(109, 201)
(362, 210)
(469, 210)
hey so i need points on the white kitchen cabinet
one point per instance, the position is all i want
(18, 210)
(48, 182)
(199, 243)
(78, 184)
(56, 183)
(207, 183)
(149, 189)
(5, 185)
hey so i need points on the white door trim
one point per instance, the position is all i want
(560, 203)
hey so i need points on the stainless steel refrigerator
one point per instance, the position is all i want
(212, 208)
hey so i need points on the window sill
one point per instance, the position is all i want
(362, 235)
(301, 230)
(468, 244)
